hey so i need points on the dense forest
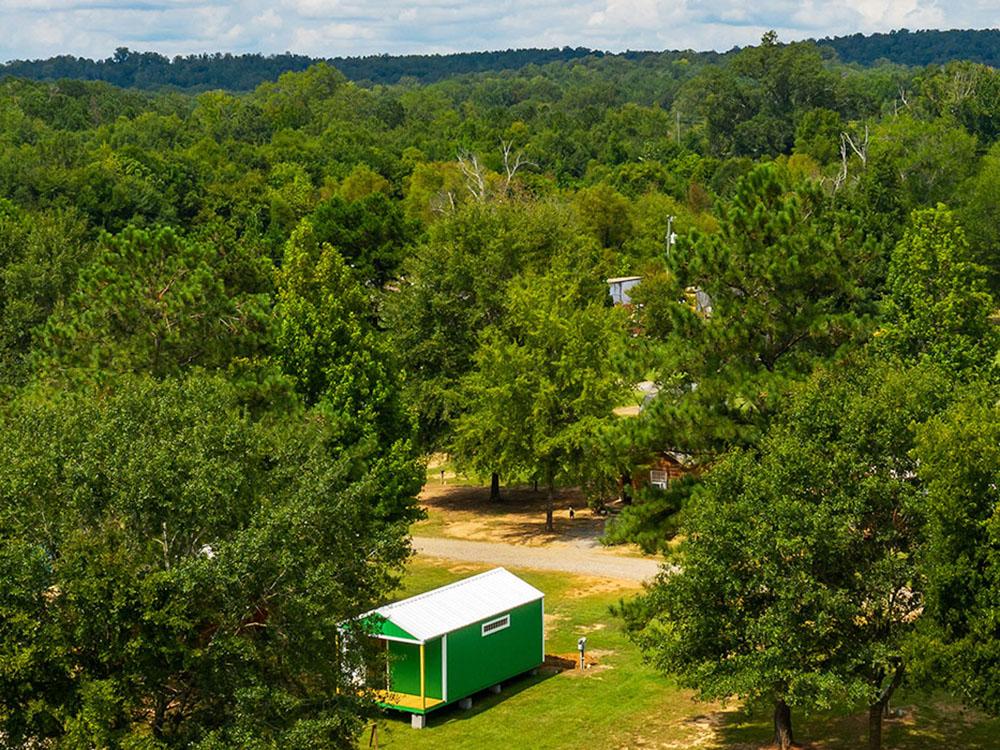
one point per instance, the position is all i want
(151, 70)
(233, 325)
(928, 47)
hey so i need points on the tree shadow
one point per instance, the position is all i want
(915, 726)
(519, 517)
(482, 701)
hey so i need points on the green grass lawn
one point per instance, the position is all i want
(624, 704)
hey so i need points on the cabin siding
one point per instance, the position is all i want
(476, 661)
(436, 656)
(404, 666)
(432, 657)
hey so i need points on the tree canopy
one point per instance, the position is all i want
(176, 568)
(233, 324)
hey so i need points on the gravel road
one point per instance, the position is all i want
(583, 561)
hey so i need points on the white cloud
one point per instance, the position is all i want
(896, 12)
(313, 8)
(628, 14)
(93, 28)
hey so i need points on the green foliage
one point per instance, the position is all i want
(370, 232)
(879, 199)
(241, 303)
(818, 134)
(750, 106)
(796, 575)
(655, 517)
(179, 568)
(326, 343)
(544, 381)
(971, 94)
(958, 461)
(605, 214)
(924, 47)
(787, 279)
(932, 158)
(362, 182)
(292, 100)
(455, 285)
(40, 256)
(156, 302)
(938, 304)
(977, 212)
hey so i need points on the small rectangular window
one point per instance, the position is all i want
(658, 479)
(494, 625)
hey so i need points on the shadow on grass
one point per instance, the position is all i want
(482, 701)
(520, 512)
(922, 723)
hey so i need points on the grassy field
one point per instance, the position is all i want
(622, 703)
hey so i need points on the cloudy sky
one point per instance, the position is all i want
(93, 28)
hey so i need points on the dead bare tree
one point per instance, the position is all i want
(511, 167)
(841, 178)
(443, 202)
(475, 179)
(963, 84)
(848, 145)
(862, 150)
(475, 175)
(902, 97)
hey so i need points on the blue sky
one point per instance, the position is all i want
(93, 28)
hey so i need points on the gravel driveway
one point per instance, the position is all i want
(583, 561)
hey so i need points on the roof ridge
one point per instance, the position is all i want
(458, 604)
(446, 587)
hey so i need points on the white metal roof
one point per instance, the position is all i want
(459, 604)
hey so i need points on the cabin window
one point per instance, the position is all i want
(658, 479)
(494, 625)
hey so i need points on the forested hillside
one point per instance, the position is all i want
(926, 47)
(232, 326)
(151, 70)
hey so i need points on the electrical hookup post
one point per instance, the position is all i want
(581, 646)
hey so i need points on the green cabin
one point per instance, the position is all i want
(454, 641)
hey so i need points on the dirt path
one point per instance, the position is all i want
(582, 561)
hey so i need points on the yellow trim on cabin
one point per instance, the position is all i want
(405, 700)
(423, 678)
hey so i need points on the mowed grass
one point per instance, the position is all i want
(622, 703)
(607, 706)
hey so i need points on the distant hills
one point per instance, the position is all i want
(150, 70)
(919, 47)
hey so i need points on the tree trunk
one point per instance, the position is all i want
(782, 724)
(875, 726)
(626, 481)
(494, 487)
(550, 507)
(878, 709)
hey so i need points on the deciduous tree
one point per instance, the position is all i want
(544, 382)
(959, 456)
(796, 582)
(175, 569)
